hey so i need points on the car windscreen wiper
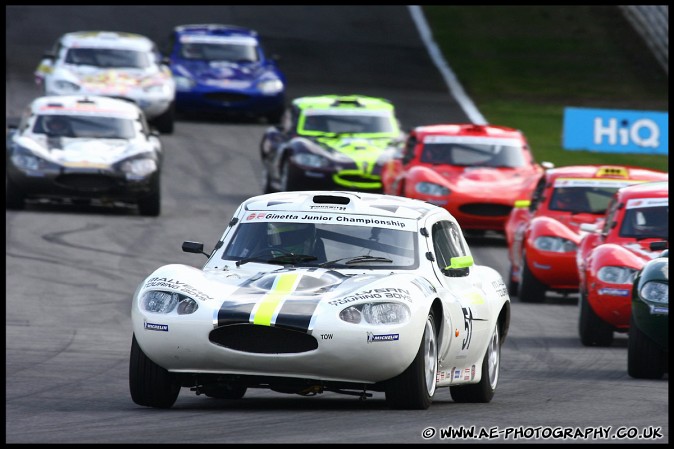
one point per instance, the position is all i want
(289, 258)
(355, 260)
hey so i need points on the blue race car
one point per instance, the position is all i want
(223, 69)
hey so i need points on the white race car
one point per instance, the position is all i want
(317, 291)
(83, 149)
(122, 65)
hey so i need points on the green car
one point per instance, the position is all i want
(330, 142)
(647, 348)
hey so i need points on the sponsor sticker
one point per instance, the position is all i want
(156, 327)
(372, 338)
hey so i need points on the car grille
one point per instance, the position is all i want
(262, 339)
(486, 209)
(84, 182)
(225, 97)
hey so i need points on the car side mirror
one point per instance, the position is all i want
(588, 227)
(458, 266)
(49, 55)
(194, 247)
(659, 245)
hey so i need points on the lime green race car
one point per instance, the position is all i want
(330, 142)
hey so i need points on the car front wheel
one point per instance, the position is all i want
(530, 289)
(165, 122)
(150, 384)
(491, 365)
(414, 388)
(287, 182)
(645, 360)
(14, 198)
(593, 330)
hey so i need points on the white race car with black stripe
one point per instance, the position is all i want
(314, 291)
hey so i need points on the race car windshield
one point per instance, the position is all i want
(108, 58)
(593, 200)
(473, 155)
(84, 126)
(317, 243)
(646, 222)
(349, 124)
(220, 52)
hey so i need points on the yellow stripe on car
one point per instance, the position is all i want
(283, 286)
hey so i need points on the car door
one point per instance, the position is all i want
(466, 300)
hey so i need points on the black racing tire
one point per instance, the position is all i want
(150, 206)
(513, 286)
(14, 197)
(593, 331)
(150, 384)
(645, 359)
(266, 181)
(530, 289)
(483, 391)
(165, 122)
(414, 388)
(288, 184)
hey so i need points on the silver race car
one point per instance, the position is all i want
(315, 291)
(83, 149)
(121, 65)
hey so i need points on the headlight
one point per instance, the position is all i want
(66, 86)
(311, 160)
(139, 167)
(166, 302)
(616, 275)
(270, 86)
(376, 313)
(183, 83)
(429, 188)
(31, 162)
(154, 88)
(555, 244)
(655, 291)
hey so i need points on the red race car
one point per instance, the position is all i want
(543, 233)
(609, 256)
(476, 172)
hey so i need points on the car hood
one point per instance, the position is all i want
(81, 152)
(295, 293)
(642, 249)
(356, 148)
(219, 73)
(476, 177)
(98, 79)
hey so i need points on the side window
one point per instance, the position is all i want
(447, 243)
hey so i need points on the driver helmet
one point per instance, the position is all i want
(297, 238)
(56, 124)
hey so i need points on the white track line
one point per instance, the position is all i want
(453, 84)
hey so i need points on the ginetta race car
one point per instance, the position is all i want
(608, 259)
(476, 172)
(224, 69)
(543, 232)
(330, 142)
(648, 343)
(84, 149)
(122, 65)
(317, 291)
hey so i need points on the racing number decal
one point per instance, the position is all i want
(467, 326)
